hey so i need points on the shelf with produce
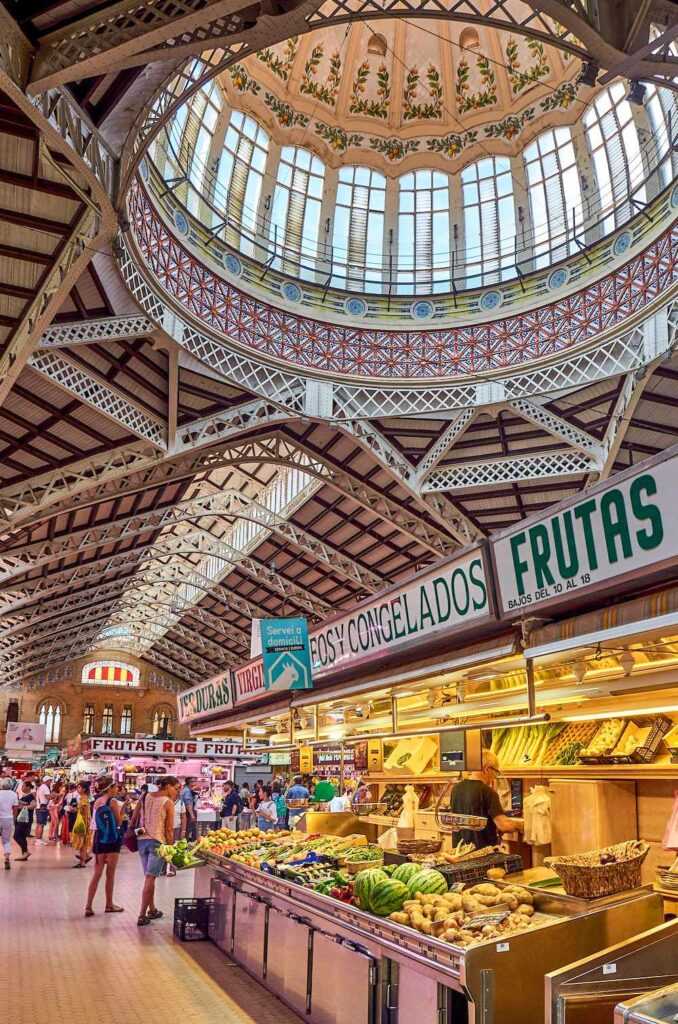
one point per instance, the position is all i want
(630, 772)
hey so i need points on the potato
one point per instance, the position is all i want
(451, 935)
(484, 889)
(411, 905)
(510, 900)
(441, 915)
(399, 918)
(471, 905)
(526, 909)
(429, 911)
(453, 900)
(487, 901)
(426, 927)
(496, 873)
(417, 920)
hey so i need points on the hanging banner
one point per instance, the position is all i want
(626, 526)
(443, 600)
(205, 699)
(285, 654)
(95, 746)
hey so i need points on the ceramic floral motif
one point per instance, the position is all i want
(371, 108)
(287, 116)
(242, 81)
(521, 78)
(394, 149)
(325, 91)
(428, 111)
(483, 97)
(280, 65)
(336, 138)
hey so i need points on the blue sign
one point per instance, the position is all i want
(286, 654)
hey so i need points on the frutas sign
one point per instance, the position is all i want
(626, 526)
(130, 746)
(205, 699)
(451, 596)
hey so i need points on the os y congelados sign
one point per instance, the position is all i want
(447, 598)
(626, 526)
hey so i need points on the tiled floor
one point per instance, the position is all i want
(61, 968)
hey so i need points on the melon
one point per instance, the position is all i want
(427, 881)
(365, 882)
(404, 872)
(387, 897)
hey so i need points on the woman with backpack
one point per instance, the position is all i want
(107, 826)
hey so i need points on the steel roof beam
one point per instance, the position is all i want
(88, 387)
(513, 469)
(557, 427)
(97, 331)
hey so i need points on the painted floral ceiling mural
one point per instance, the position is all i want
(398, 87)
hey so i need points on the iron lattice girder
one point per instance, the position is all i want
(68, 266)
(230, 504)
(557, 427)
(513, 469)
(399, 467)
(96, 332)
(106, 614)
(458, 424)
(86, 386)
(37, 664)
(35, 627)
(198, 542)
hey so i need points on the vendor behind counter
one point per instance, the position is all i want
(475, 794)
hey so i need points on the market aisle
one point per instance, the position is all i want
(69, 968)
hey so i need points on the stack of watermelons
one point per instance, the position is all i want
(375, 891)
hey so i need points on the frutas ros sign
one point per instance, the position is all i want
(626, 526)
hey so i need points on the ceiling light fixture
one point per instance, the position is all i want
(636, 93)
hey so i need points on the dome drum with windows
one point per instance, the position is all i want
(408, 157)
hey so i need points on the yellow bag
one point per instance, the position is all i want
(79, 828)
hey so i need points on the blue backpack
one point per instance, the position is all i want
(107, 827)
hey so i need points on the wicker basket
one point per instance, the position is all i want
(368, 807)
(584, 876)
(407, 847)
(667, 879)
(354, 866)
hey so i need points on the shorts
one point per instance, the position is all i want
(41, 816)
(102, 848)
(153, 865)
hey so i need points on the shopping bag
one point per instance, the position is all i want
(79, 828)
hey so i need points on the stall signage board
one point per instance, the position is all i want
(627, 526)
(305, 760)
(285, 654)
(25, 736)
(451, 596)
(205, 699)
(129, 746)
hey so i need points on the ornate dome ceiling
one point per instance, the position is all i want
(395, 88)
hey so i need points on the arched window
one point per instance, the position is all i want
(423, 232)
(126, 721)
(50, 716)
(358, 234)
(163, 721)
(239, 178)
(489, 221)
(615, 149)
(661, 112)
(109, 673)
(88, 719)
(555, 195)
(295, 214)
(107, 720)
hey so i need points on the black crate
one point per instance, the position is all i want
(192, 918)
(473, 871)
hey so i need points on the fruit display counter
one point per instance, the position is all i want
(365, 947)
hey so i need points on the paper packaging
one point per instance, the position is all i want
(412, 755)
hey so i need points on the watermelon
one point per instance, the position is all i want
(404, 872)
(365, 882)
(428, 881)
(388, 896)
(389, 869)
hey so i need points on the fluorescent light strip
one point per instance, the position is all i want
(599, 715)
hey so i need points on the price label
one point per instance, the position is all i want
(609, 968)
(503, 947)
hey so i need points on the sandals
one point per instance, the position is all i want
(142, 920)
(23, 858)
(113, 909)
(78, 865)
(154, 915)
(89, 913)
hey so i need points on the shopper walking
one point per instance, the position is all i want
(267, 815)
(42, 811)
(81, 833)
(107, 832)
(53, 809)
(8, 801)
(156, 819)
(70, 811)
(23, 820)
(188, 799)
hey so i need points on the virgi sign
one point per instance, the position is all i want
(626, 526)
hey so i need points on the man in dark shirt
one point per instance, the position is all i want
(475, 795)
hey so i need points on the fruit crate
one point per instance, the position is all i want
(192, 918)
(475, 871)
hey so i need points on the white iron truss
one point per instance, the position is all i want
(228, 504)
(515, 468)
(62, 276)
(95, 332)
(89, 388)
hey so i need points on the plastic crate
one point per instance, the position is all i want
(192, 918)
(476, 870)
(208, 826)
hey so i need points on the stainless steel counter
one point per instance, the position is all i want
(335, 964)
